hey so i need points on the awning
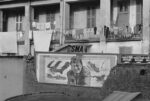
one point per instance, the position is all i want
(122, 96)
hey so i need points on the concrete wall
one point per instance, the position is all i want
(129, 78)
(95, 48)
(113, 47)
(11, 77)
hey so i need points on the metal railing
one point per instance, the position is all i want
(123, 34)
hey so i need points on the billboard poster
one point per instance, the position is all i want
(71, 69)
(135, 59)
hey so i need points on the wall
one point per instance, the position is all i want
(129, 78)
(11, 77)
(95, 48)
(113, 47)
(126, 78)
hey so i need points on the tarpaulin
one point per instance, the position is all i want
(42, 40)
(8, 42)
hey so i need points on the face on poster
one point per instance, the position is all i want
(85, 70)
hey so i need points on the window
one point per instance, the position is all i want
(36, 15)
(5, 19)
(91, 17)
(71, 20)
(139, 11)
(19, 19)
(123, 5)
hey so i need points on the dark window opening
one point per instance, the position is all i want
(142, 72)
(123, 5)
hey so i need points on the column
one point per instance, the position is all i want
(1, 20)
(105, 14)
(146, 28)
(132, 14)
(65, 19)
(27, 26)
(31, 16)
(66, 16)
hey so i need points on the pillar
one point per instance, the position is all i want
(65, 19)
(132, 14)
(27, 26)
(1, 20)
(146, 28)
(105, 13)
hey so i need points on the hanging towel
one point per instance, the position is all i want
(42, 40)
(8, 42)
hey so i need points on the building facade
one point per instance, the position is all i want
(92, 26)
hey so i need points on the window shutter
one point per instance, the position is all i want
(91, 17)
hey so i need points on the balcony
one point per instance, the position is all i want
(87, 34)
(123, 34)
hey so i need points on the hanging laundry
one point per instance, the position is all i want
(79, 33)
(42, 40)
(8, 42)
(48, 25)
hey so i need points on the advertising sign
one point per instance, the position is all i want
(79, 70)
(136, 59)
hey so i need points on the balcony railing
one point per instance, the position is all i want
(123, 34)
(82, 34)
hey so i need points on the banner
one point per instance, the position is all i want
(8, 42)
(87, 70)
(42, 40)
